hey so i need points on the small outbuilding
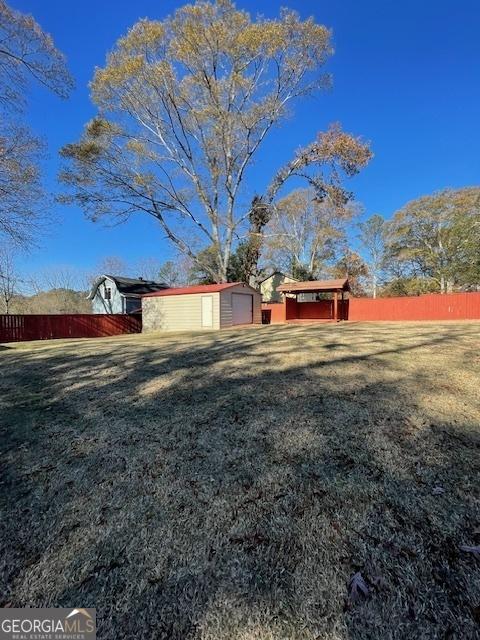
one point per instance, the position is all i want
(329, 302)
(321, 309)
(201, 307)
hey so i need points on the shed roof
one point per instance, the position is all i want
(314, 285)
(199, 288)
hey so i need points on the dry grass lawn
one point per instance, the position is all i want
(227, 486)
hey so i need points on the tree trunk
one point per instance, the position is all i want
(222, 270)
(225, 257)
(442, 284)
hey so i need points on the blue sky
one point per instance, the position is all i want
(406, 77)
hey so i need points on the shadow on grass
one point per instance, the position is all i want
(228, 486)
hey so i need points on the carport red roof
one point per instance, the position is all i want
(200, 288)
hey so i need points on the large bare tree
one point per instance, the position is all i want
(184, 106)
(26, 54)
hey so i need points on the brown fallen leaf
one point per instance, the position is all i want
(357, 588)
(474, 550)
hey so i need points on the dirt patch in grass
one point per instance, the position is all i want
(227, 486)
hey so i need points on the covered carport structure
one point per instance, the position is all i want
(324, 307)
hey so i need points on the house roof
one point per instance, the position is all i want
(198, 288)
(280, 273)
(314, 285)
(130, 287)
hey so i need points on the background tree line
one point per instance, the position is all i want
(185, 105)
(432, 244)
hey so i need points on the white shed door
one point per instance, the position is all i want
(242, 308)
(207, 311)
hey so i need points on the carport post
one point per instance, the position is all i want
(335, 305)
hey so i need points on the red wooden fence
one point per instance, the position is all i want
(14, 328)
(434, 306)
(451, 306)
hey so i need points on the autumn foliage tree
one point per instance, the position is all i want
(437, 238)
(184, 106)
(352, 266)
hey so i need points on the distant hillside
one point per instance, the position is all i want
(52, 301)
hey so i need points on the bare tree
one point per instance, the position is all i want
(8, 279)
(373, 237)
(60, 289)
(20, 184)
(60, 277)
(175, 272)
(184, 106)
(112, 265)
(26, 53)
(148, 268)
(304, 233)
(109, 265)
